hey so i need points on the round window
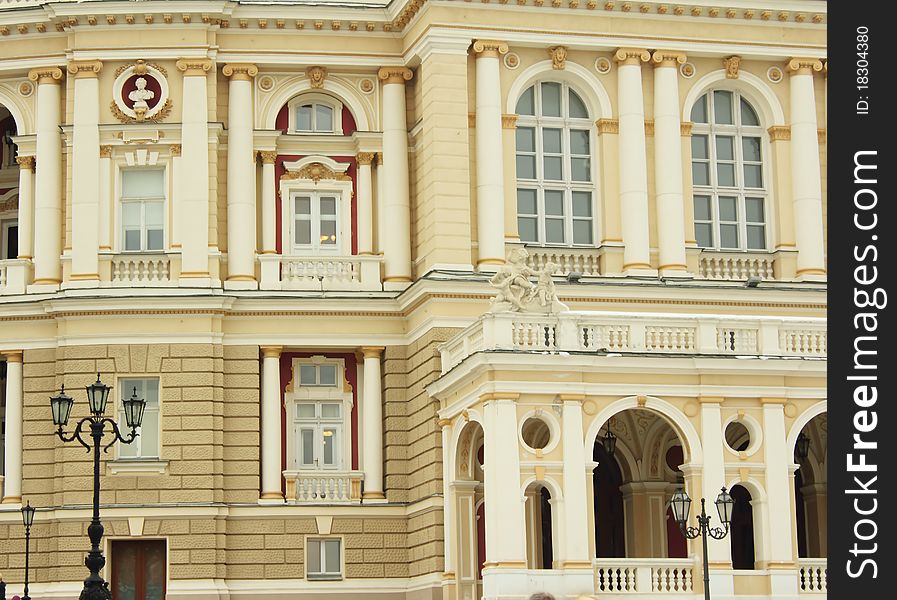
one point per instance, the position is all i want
(536, 433)
(738, 438)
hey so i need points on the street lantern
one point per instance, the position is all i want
(724, 504)
(61, 405)
(27, 520)
(681, 505)
(28, 515)
(610, 441)
(97, 396)
(802, 446)
(133, 409)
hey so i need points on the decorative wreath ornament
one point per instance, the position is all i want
(140, 93)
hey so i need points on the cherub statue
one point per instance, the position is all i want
(517, 293)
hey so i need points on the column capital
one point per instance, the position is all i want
(804, 66)
(194, 66)
(779, 401)
(685, 128)
(26, 162)
(779, 133)
(12, 356)
(444, 422)
(608, 125)
(175, 149)
(45, 75)
(365, 158)
(632, 56)
(668, 58)
(395, 74)
(271, 351)
(509, 121)
(105, 151)
(240, 71)
(372, 351)
(268, 156)
(710, 399)
(84, 69)
(489, 48)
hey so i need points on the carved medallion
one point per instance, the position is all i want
(140, 93)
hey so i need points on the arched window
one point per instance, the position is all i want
(730, 192)
(316, 113)
(555, 189)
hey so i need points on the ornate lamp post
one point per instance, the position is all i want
(27, 519)
(97, 396)
(681, 505)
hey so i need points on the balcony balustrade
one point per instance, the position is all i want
(643, 576)
(305, 487)
(735, 265)
(813, 575)
(316, 273)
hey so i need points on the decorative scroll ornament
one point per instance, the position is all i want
(558, 56)
(316, 172)
(140, 93)
(316, 76)
(517, 293)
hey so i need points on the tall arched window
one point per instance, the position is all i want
(555, 189)
(730, 192)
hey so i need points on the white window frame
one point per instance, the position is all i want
(566, 124)
(340, 393)
(316, 247)
(342, 189)
(737, 131)
(125, 391)
(326, 576)
(313, 99)
(119, 203)
(6, 223)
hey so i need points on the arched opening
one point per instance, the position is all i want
(316, 113)
(810, 489)
(539, 527)
(610, 534)
(469, 505)
(741, 529)
(9, 184)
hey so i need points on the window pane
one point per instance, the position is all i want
(703, 235)
(303, 205)
(303, 232)
(331, 556)
(699, 146)
(328, 232)
(748, 116)
(132, 240)
(330, 410)
(149, 434)
(153, 239)
(579, 141)
(727, 208)
(551, 99)
(526, 228)
(526, 167)
(305, 411)
(728, 236)
(577, 107)
(722, 107)
(554, 202)
(141, 183)
(753, 176)
(754, 210)
(526, 202)
(725, 174)
(153, 214)
(756, 237)
(314, 556)
(699, 110)
(303, 118)
(580, 168)
(526, 139)
(725, 147)
(327, 375)
(526, 105)
(700, 173)
(328, 206)
(307, 375)
(582, 204)
(308, 447)
(329, 442)
(553, 168)
(130, 214)
(751, 148)
(702, 208)
(582, 232)
(554, 231)
(551, 141)
(323, 118)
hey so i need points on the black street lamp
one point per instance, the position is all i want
(610, 441)
(27, 519)
(802, 447)
(681, 505)
(97, 396)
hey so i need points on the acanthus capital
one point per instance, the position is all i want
(26, 162)
(395, 74)
(45, 75)
(365, 158)
(489, 48)
(84, 69)
(632, 56)
(268, 156)
(804, 66)
(240, 71)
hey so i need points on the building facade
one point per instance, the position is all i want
(389, 273)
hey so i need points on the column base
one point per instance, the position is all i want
(11, 500)
(241, 284)
(396, 286)
(677, 272)
(43, 286)
(80, 284)
(639, 271)
(271, 498)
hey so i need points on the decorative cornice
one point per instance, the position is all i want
(731, 63)
(192, 67)
(685, 128)
(26, 162)
(668, 58)
(240, 71)
(608, 125)
(779, 133)
(85, 69)
(632, 56)
(804, 66)
(316, 172)
(509, 121)
(316, 76)
(395, 74)
(268, 156)
(45, 75)
(558, 56)
(365, 158)
(489, 48)
(105, 151)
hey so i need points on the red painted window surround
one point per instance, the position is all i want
(286, 375)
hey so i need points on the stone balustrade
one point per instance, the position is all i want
(813, 574)
(316, 273)
(643, 576)
(140, 270)
(735, 265)
(323, 487)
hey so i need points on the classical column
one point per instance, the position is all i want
(241, 226)
(85, 170)
(12, 479)
(806, 183)
(779, 484)
(633, 163)
(269, 202)
(270, 430)
(193, 193)
(365, 203)
(576, 555)
(26, 206)
(714, 475)
(372, 421)
(395, 207)
(668, 163)
(48, 177)
(105, 220)
(489, 156)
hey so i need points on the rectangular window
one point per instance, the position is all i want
(316, 221)
(318, 431)
(138, 569)
(146, 445)
(142, 210)
(9, 239)
(323, 559)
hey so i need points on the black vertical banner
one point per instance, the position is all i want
(862, 245)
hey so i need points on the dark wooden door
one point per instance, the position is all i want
(138, 569)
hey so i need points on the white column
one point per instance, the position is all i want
(85, 171)
(779, 483)
(668, 163)
(577, 510)
(12, 480)
(270, 430)
(193, 193)
(241, 212)
(26, 206)
(448, 516)
(48, 177)
(806, 177)
(105, 220)
(395, 207)
(269, 203)
(714, 475)
(372, 421)
(633, 163)
(365, 203)
(489, 155)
